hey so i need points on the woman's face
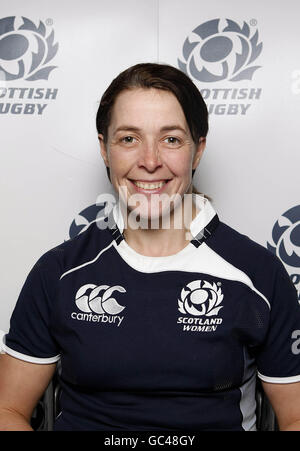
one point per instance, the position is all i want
(150, 150)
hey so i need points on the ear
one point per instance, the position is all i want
(103, 149)
(199, 152)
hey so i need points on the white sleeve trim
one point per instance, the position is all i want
(27, 358)
(279, 380)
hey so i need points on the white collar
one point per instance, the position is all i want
(202, 219)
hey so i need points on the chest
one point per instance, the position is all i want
(169, 330)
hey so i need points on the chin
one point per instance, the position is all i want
(150, 218)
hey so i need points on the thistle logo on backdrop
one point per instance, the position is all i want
(286, 243)
(86, 217)
(26, 54)
(223, 51)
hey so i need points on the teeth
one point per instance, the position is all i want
(145, 185)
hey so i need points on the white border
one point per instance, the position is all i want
(27, 358)
(279, 380)
(89, 262)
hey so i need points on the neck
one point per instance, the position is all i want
(161, 237)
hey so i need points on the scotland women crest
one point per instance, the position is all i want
(200, 298)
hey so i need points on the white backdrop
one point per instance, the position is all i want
(56, 60)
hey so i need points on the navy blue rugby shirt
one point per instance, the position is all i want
(159, 343)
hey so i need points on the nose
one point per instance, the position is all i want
(149, 157)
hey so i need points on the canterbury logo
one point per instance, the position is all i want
(98, 299)
(200, 298)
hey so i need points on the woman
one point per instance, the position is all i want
(161, 314)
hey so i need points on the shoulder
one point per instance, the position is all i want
(256, 261)
(75, 251)
(243, 249)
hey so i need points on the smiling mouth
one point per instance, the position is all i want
(149, 185)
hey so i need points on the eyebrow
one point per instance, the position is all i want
(166, 128)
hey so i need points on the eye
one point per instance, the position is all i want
(172, 140)
(127, 139)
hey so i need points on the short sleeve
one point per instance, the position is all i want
(30, 336)
(278, 360)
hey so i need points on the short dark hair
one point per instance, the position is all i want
(159, 76)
